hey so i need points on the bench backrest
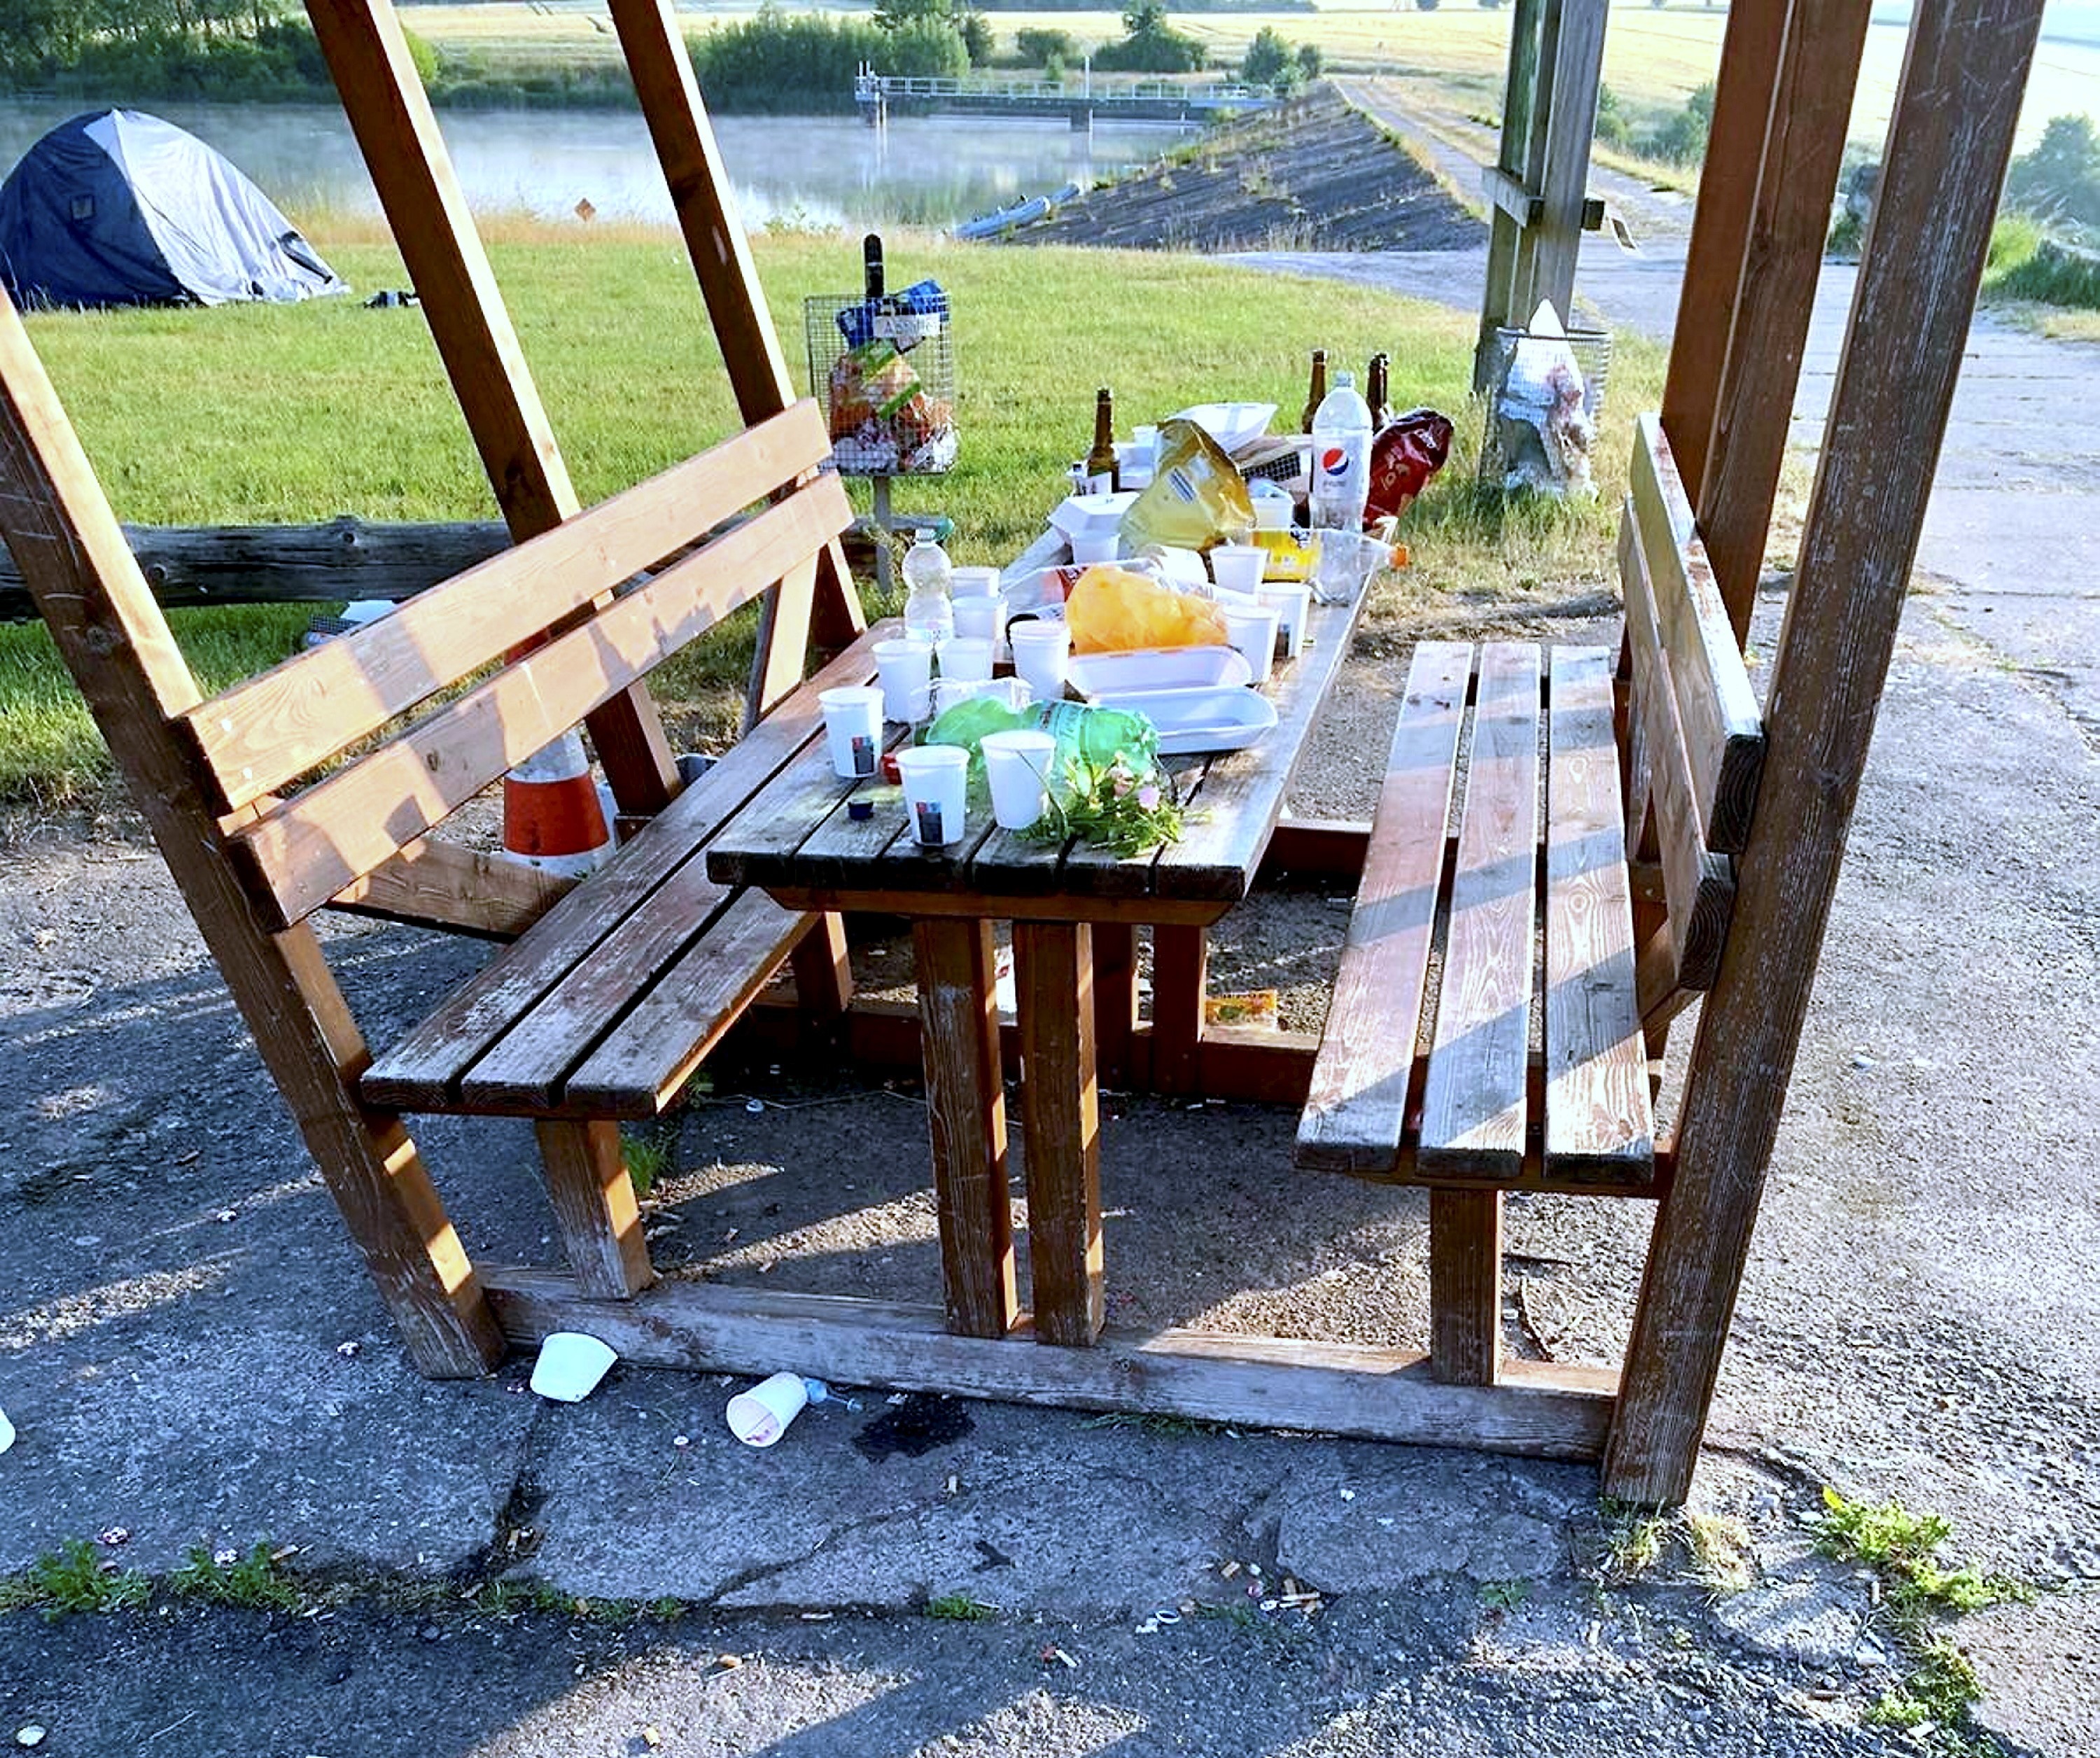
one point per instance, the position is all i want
(582, 612)
(1694, 741)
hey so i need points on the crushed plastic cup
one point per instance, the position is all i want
(1017, 765)
(1042, 651)
(1251, 631)
(571, 1364)
(1293, 605)
(906, 668)
(965, 659)
(933, 775)
(853, 729)
(1238, 567)
(760, 1416)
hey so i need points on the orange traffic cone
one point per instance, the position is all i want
(552, 817)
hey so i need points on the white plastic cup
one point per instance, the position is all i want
(933, 777)
(1017, 765)
(1293, 600)
(966, 658)
(853, 729)
(977, 619)
(1042, 653)
(1099, 547)
(760, 1416)
(1238, 567)
(905, 667)
(6, 1432)
(972, 581)
(1252, 632)
(571, 1364)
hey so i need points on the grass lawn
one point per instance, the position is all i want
(262, 414)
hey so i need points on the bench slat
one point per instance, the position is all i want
(1599, 1122)
(1473, 1111)
(1718, 709)
(1699, 884)
(277, 726)
(1356, 1108)
(306, 850)
(421, 1072)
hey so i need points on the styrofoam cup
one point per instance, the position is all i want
(1017, 765)
(977, 619)
(853, 729)
(1252, 632)
(1086, 550)
(1041, 652)
(1293, 600)
(972, 581)
(1238, 567)
(905, 667)
(967, 659)
(571, 1364)
(760, 1416)
(933, 777)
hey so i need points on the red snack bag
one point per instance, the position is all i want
(1408, 450)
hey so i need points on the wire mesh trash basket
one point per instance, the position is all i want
(1542, 405)
(883, 365)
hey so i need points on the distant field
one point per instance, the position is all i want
(1654, 57)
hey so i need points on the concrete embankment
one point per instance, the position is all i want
(1313, 174)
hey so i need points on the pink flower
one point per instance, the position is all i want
(1148, 796)
(1122, 783)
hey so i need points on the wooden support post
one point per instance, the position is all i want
(1519, 90)
(1115, 1002)
(1466, 1286)
(1054, 970)
(59, 526)
(1812, 108)
(1720, 227)
(390, 113)
(823, 598)
(823, 970)
(966, 1116)
(1547, 255)
(595, 1212)
(1949, 141)
(1180, 960)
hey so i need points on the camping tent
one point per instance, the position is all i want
(120, 208)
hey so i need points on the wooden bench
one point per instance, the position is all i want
(1509, 973)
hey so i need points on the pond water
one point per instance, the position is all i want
(817, 171)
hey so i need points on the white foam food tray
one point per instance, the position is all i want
(1157, 669)
(1231, 424)
(1192, 722)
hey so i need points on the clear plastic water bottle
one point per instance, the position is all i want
(930, 614)
(1341, 458)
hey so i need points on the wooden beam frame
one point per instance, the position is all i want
(1942, 168)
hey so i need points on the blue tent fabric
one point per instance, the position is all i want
(121, 208)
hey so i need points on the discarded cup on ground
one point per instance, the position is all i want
(1017, 765)
(972, 581)
(853, 729)
(1293, 600)
(967, 659)
(1238, 567)
(6, 1432)
(571, 1364)
(905, 667)
(1252, 630)
(933, 777)
(760, 1416)
(977, 619)
(1040, 653)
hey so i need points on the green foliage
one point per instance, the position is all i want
(74, 1578)
(779, 63)
(1152, 44)
(1310, 60)
(978, 41)
(1269, 60)
(2059, 179)
(646, 1162)
(1041, 44)
(123, 50)
(1121, 806)
(1504, 1596)
(958, 1608)
(1613, 127)
(1682, 139)
(892, 14)
(254, 1581)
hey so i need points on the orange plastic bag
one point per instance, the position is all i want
(1112, 609)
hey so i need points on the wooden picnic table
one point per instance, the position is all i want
(1074, 910)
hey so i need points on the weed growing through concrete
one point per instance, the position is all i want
(76, 1577)
(958, 1608)
(1504, 1596)
(1902, 1549)
(256, 1581)
(647, 1161)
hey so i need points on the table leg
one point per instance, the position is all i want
(1465, 1286)
(1053, 971)
(966, 1114)
(1115, 1002)
(1179, 959)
